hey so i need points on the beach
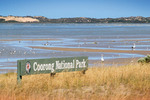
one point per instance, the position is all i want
(36, 41)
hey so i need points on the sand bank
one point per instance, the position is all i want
(93, 50)
(136, 40)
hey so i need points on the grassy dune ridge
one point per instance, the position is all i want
(115, 83)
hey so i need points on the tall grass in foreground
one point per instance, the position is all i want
(115, 83)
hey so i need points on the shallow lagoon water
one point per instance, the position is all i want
(91, 36)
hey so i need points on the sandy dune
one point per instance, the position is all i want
(20, 19)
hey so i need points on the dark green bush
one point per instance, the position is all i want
(145, 59)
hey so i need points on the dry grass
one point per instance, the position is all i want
(116, 83)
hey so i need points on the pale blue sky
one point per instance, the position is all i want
(75, 8)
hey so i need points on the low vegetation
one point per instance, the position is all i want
(130, 82)
(42, 19)
(145, 59)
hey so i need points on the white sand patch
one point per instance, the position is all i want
(20, 19)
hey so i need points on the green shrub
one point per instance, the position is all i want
(145, 59)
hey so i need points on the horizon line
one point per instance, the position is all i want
(72, 17)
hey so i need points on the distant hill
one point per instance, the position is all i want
(41, 19)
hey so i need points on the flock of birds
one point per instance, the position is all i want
(24, 52)
(15, 52)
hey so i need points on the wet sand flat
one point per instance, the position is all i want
(138, 40)
(114, 62)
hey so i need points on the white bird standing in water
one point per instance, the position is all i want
(102, 59)
(133, 47)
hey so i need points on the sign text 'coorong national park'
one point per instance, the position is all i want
(52, 65)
